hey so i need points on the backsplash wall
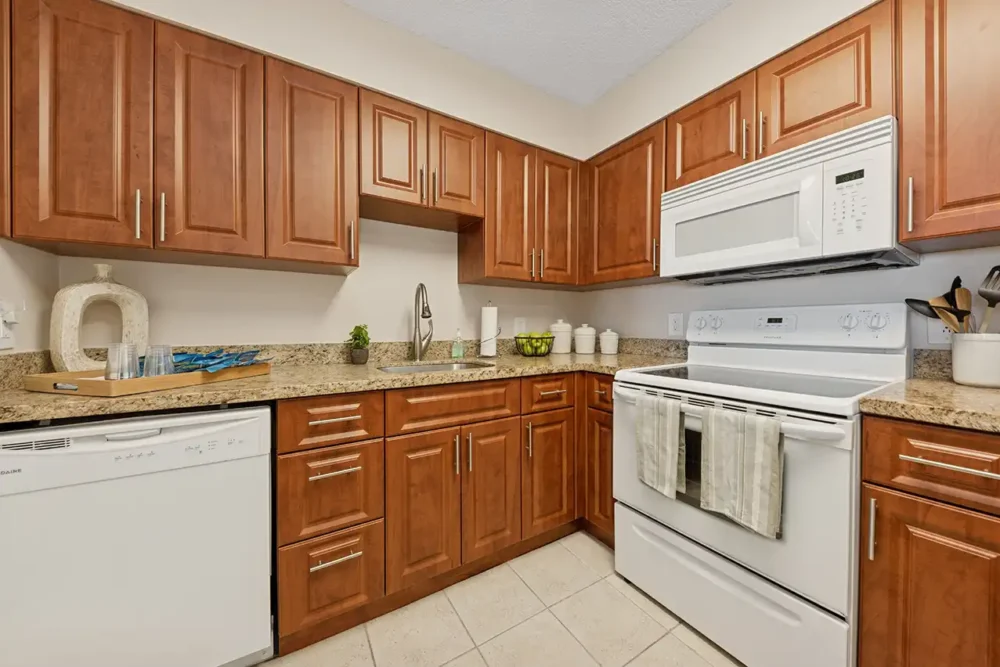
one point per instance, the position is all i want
(194, 305)
(29, 279)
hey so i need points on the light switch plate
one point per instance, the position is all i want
(7, 317)
(938, 333)
(676, 327)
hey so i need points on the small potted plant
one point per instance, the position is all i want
(359, 344)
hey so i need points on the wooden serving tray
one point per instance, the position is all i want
(92, 383)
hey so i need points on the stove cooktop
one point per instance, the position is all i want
(789, 383)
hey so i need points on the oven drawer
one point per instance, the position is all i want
(960, 467)
(308, 423)
(547, 392)
(599, 392)
(323, 490)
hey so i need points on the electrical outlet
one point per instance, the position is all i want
(676, 327)
(7, 317)
(938, 333)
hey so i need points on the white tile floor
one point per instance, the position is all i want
(561, 605)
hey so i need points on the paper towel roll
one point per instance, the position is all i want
(488, 332)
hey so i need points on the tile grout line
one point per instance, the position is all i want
(645, 613)
(585, 649)
(460, 619)
(371, 651)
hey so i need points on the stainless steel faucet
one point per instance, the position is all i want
(421, 310)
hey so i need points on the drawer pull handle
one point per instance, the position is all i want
(530, 442)
(457, 454)
(338, 561)
(335, 473)
(554, 392)
(872, 508)
(601, 392)
(334, 420)
(947, 466)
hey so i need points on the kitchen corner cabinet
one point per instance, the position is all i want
(600, 510)
(623, 225)
(82, 123)
(930, 583)
(949, 130)
(548, 478)
(839, 79)
(209, 164)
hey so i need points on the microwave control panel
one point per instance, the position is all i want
(858, 201)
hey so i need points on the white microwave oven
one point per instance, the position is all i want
(826, 206)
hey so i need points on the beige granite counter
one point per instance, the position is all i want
(937, 402)
(289, 381)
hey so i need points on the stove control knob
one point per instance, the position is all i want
(849, 322)
(700, 323)
(878, 321)
(716, 323)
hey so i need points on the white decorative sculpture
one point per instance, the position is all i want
(67, 317)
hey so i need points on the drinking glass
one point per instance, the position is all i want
(159, 361)
(123, 362)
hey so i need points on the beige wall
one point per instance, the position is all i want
(29, 280)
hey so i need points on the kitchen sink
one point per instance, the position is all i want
(433, 368)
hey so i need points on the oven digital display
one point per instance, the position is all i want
(775, 320)
(850, 176)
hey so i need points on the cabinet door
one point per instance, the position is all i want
(312, 166)
(457, 154)
(510, 208)
(556, 213)
(625, 208)
(5, 94)
(930, 587)
(82, 123)
(548, 492)
(840, 78)
(209, 166)
(600, 501)
(393, 149)
(948, 123)
(423, 513)
(491, 487)
(712, 134)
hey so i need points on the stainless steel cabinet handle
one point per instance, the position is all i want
(655, 254)
(323, 566)
(872, 507)
(138, 213)
(760, 134)
(336, 473)
(947, 466)
(600, 392)
(457, 454)
(470, 452)
(541, 263)
(434, 185)
(334, 420)
(554, 392)
(909, 207)
(530, 443)
(163, 217)
(350, 240)
(422, 198)
(745, 127)
(532, 262)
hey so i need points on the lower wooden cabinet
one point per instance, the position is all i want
(327, 576)
(548, 478)
(600, 509)
(423, 510)
(491, 487)
(930, 584)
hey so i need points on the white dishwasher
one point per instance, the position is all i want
(137, 542)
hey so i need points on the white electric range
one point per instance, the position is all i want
(770, 603)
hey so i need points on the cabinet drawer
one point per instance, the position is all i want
(960, 467)
(323, 490)
(308, 423)
(599, 392)
(427, 408)
(327, 576)
(546, 392)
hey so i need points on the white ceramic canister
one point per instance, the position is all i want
(975, 359)
(563, 332)
(586, 339)
(609, 342)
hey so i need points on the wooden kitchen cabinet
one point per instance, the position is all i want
(510, 209)
(547, 392)
(393, 149)
(209, 162)
(949, 129)
(423, 506)
(623, 226)
(713, 134)
(839, 79)
(548, 476)
(82, 123)
(930, 584)
(5, 94)
(312, 172)
(323, 421)
(491, 487)
(556, 217)
(457, 160)
(424, 408)
(600, 509)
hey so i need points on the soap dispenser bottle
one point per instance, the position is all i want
(457, 346)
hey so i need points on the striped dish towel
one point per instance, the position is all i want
(659, 441)
(742, 462)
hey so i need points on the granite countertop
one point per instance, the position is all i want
(17, 405)
(937, 402)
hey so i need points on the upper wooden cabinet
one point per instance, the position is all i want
(839, 79)
(510, 212)
(949, 127)
(209, 165)
(556, 217)
(623, 227)
(5, 118)
(393, 149)
(712, 134)
(491, 487)
(312, 174)
(82, 123)
(457, 154)
(548, 476)
(930, 583)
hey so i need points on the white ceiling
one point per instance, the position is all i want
(574, 49)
